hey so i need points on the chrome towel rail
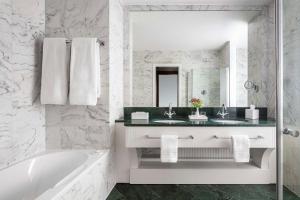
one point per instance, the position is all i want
(251, 138)
(100, 42)
(190, 137)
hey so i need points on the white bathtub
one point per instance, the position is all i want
(47, 175)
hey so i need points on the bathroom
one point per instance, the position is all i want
(203, 108)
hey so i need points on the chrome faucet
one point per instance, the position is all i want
(224, 112)
(170, 113)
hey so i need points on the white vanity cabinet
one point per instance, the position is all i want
(135, 169)
(199, 137)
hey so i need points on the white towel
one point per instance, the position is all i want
(241, 148)
(55, 72)
(169, 148)
(84, 72)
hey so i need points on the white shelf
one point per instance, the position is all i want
(200, 173)
(224, 165)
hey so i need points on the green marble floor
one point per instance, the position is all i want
(197, 192)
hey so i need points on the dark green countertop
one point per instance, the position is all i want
(120, 120)
(245, 123)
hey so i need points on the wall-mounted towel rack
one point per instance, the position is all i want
(251, 138)
(101, 43)
(190, 137)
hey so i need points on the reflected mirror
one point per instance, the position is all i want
(179, 55)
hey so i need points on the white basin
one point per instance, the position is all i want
(224, 121)
(169, 121)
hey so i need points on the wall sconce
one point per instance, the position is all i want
(250, 85)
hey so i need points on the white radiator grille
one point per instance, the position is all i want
(193, 153)
(205, 153)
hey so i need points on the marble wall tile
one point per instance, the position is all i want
(22, 131)
(70, 19)
(261, 59)
(291, 93)
(142, 75)
(89, 127)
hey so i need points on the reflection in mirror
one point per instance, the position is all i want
(166, 86)
(211, 48)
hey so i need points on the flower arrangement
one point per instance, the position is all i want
(197, 103)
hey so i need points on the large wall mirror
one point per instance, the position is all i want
(179, 55)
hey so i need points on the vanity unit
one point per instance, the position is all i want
(205, 155)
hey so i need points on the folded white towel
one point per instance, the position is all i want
(169, 148)
(84, 72)
(241, 148)
(55, 72)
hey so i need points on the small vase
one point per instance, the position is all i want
(197, 113)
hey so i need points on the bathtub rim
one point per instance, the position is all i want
(94, 157)
(40, 154)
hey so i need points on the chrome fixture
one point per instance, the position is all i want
(190, 137)
(224, 112)
(170, 113)
(251, 138)
(290, 132)
(100, 42)
(251, 85)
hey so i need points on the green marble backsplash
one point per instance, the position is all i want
(184, 112)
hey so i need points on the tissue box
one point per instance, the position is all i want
(140, 115)
(252, 114)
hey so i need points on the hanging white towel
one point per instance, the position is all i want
(55, 72)
(84, 72)
(169, 148)
(241, 148)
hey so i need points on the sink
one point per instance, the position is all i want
(168, 121)
(228, 121)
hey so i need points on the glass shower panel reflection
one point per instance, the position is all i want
(291, 96)
(206, 86)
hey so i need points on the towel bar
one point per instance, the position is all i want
(252, 138)
(100, 42)
(190, 137)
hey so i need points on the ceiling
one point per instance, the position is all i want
(197, 2)
(188, 30)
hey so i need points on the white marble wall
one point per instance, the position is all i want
(80, 126)
(261, 59)
(142, 74)
(291, 164)
(22, 132)
(89, 127)
(207, 79)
